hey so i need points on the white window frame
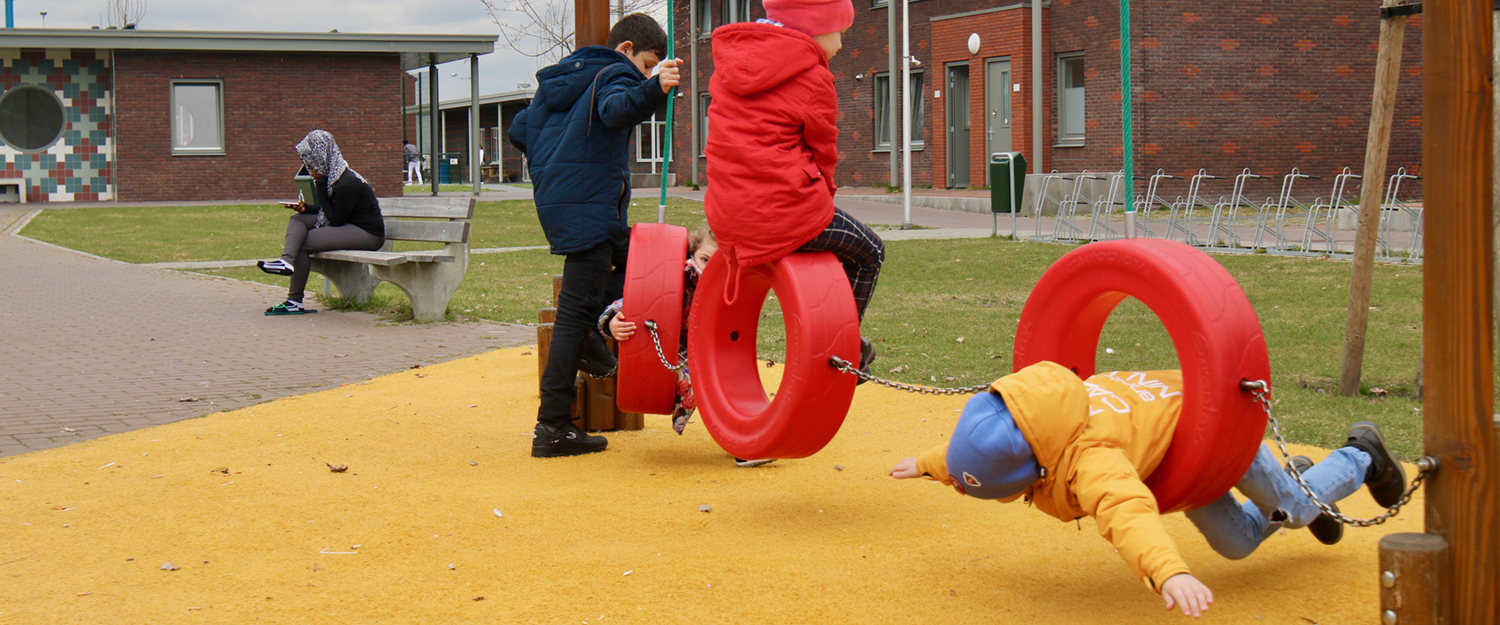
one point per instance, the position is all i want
(705, 100)
(705, 18)
(736, 11)
(658, 129)
(1067, 139)
(918, 118)
(177, 150)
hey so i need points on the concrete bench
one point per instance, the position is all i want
(428, 277)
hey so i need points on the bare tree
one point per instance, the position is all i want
(544, 28)
(123, 13)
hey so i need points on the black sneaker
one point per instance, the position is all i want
(276, 267)
(866, 356)
(565, 441)
(595, 358)
(1385, 477)
(1325, 528)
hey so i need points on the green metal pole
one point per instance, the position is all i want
(666, 152)
(1127, 140)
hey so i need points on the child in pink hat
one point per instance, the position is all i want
(774, 145)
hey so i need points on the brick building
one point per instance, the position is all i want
(1218, 85)
(137, 115)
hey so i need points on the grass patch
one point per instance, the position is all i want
(211, 233)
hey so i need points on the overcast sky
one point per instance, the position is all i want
(498, 72)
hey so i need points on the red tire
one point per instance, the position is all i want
(653, 291)
(813, 398)
(1216, 334)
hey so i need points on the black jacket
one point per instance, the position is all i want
(353, 203)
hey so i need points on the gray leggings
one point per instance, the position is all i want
(303, 239)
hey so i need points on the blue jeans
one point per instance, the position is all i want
(1275, 501)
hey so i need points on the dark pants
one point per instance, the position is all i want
(303, 239)
(591, 280)
(860, 251)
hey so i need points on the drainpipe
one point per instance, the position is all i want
(1037, 155)
(693, 73)
(890, 82)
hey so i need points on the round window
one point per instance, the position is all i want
(31, 118)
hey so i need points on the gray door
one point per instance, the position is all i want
(997, 91)
(958, 126)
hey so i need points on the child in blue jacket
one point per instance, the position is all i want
(576, 137)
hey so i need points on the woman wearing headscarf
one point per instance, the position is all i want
(347, 217)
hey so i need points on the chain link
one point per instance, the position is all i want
(1426, 465)
(846, 367)
(655, 340)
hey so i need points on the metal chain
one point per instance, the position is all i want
(655, 340)
(1426, 465)
(846, 367)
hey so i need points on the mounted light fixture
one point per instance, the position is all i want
(974, 43)
(859, 77)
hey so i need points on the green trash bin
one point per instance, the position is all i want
(1007, 186)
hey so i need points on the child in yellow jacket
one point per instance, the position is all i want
(1075, 447)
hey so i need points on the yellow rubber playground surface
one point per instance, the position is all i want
(442, 517)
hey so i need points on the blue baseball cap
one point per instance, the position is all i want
(988, 457)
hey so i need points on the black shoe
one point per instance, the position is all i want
(1385, 477)
(565, 441)
(1325, 528)
(866, 356)
(595, 358)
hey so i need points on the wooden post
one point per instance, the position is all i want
(590, 23)
(543, 349)
(1412, 586)
(1457, 303)
(1377, 148)
(1495, 120)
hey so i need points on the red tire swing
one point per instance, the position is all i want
(653, 292)
(821, 321)
(1216, 334)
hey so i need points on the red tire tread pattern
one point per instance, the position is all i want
(813, 398)
(653, 291)
(1213, 328)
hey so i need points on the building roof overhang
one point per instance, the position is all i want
(416, 51)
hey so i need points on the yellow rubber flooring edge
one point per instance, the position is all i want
(442, 517)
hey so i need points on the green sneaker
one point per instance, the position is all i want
(288, 307)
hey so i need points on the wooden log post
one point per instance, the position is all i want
(1412, 584)
(590, 23)
(594, 409)
(1458, 291)
(1377, 148)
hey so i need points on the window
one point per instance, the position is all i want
(704, 99)
(1070, 112)
(649, 137)
(736, 11)
(879, 3)
(705, 17)
(197, 117)
(882, 116)
(31, 118)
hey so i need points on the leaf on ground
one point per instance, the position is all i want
(337, 468)
(898, 368)
(188, 399)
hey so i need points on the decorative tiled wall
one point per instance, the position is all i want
(77, 166)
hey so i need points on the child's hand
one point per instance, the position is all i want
(907, 468)
(1188, 594)
(620, 328)
(669, 75)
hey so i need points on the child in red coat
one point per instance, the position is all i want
(774, 145)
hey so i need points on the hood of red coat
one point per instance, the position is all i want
(750, 57)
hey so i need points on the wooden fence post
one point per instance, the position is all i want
(1377, 148)
(1412, 584)
(1457, 312)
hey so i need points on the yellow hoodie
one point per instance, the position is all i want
(1097, 441)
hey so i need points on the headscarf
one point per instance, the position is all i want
(319, 151)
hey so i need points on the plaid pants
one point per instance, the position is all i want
(858, 248)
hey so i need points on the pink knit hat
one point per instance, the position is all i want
(811, 17)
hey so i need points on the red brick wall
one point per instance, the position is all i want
(270, 102)
(1220, 86)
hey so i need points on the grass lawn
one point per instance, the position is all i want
(932, 293)
(208, 233)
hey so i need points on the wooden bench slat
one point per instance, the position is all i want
(437, 231)
(428, 207)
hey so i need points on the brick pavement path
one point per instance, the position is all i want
(90, 347)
